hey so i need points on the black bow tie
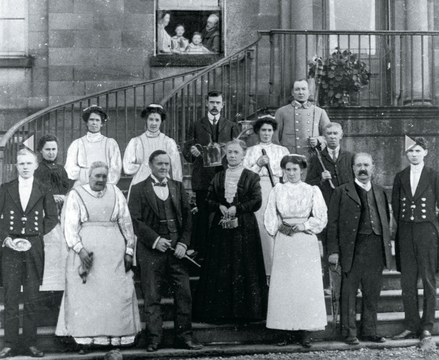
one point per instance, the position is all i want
(160, 184)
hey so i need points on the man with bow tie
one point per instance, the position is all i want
(213, 128)
(162, 223)
(27, 211)
(415, 196)
(300, 124)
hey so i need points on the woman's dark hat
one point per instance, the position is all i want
(94, 109)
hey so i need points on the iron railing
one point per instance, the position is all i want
(123, 105)
(401, 64)
(259, 76)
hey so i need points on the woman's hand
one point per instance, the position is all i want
(299, 227)
(223, 210)
(263, 160)
(59, 199)
(232, 211)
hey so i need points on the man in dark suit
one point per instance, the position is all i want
(414, 199)
(338, 170)
(162, 223)
(212, 128)
(27, 211)
(359, 240)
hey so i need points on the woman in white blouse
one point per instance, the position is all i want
(135, 160)
(259, 158)
(295, 213)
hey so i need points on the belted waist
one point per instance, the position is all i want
(100, 223)
(286, 227)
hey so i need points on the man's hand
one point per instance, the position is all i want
(333, 259)
(128, 260)
(195, 152)
(313, 142)
(223, 210)
(263, 160)
(163, 244)
(326, 175)
(180, 251)
(86, 258)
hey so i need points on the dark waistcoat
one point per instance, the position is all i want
(369, 220)
(168, 218)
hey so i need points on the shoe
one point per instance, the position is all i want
(152, 347)
(306, 340)
(34, 352)
(188, 345)
(6, 352)
(406, 334)
(352, 340)
(425, 335)
(373, 338)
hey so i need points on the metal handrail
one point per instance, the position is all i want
(55, 107)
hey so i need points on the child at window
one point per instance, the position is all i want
(178, 42)
(196, 47)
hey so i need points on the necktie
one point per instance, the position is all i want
(333, 155)
(214, 121)
(160, 184)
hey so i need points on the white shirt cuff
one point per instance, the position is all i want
(78, 247)
(129, 251)
(155, 243)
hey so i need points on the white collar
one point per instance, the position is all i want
(416, 168)
(366, 187)
(152, 134)
(97, 194)
(94, 137)
(155, 180)
(22, 182)
(212, 117)
(334, 151)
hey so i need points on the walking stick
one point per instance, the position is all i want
(190, 259)
(319, 156)
(270, 173)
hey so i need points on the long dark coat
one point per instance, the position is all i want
(233, 282)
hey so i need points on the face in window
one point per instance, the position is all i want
(179, 31)
(211, 22)
(196, 39)
(166, 19)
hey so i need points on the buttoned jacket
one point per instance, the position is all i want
(297, 123)
(344, 219)
(145, 214)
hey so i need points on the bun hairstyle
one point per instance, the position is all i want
(264, 120)
(94, 109)
(153, 109)
(295, 159)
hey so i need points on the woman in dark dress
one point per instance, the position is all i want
(54, 176)
(232, 284)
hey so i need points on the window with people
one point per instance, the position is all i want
(188, 31)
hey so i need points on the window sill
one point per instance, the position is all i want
(16, 62)
(184, 60)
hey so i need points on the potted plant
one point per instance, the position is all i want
(338, 78)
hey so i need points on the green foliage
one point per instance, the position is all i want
(338, 76)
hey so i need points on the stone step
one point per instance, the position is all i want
(388, 325)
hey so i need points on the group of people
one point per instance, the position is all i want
(205, 42)
(262, 233)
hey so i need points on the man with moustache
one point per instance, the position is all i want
(300, 124)
(27, 211)
(213, 128)
(162, 223)
(359, 240)
(415, 196)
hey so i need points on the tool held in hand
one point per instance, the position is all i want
(270, 173)
(187, 257)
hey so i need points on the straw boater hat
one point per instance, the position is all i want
(94, 109)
